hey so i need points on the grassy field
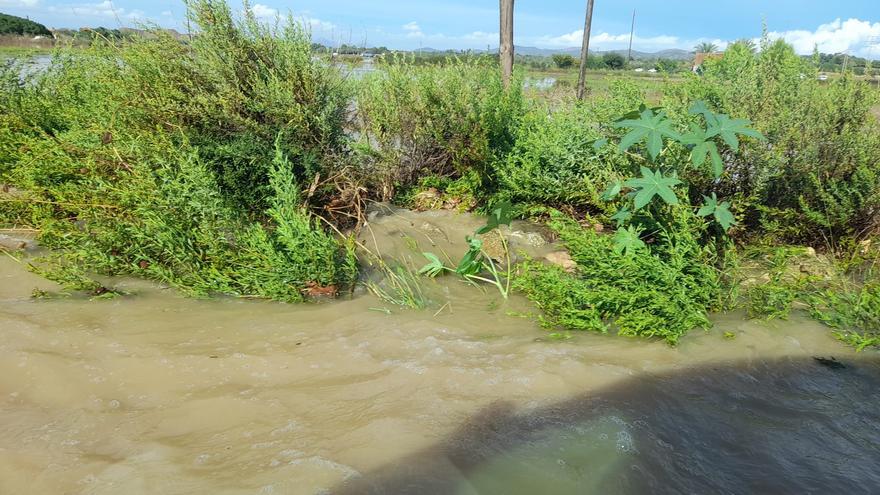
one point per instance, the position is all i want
(598, 82)
(10, 52)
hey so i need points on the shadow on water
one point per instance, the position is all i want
(783, 426)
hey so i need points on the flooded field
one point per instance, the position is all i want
(157, 393)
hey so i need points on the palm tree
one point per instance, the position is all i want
(706, 47)
(748, 43)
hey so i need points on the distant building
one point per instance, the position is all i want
(700, 58)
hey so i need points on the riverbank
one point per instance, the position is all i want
(252, 175)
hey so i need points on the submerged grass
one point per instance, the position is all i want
(640, 295)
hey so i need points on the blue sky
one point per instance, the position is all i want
(836, 26)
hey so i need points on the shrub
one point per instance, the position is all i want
(181, 163)
(651, 292)
(815, 181)
(554, 160)
(613, 60)
(436, 120)
(563, 61)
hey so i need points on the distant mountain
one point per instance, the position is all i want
(674, 54)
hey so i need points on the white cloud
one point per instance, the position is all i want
(480, 37)
(317, 25)
(264, 12)
(606, 40)
(269, 15)
(854, 36)
(413, 30)
(104, 9)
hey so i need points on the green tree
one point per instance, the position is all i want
(706, 47)
(613, 60)
(666, 65)
(563, 61)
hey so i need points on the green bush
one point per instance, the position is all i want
(436, 120)
(563, 61)
(182, 163)
(662, 291)
(815, 181)
(554, 160)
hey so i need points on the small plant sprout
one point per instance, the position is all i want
(475, 261)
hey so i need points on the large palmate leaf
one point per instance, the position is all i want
(650, 127)
(728, 128)
(434, 267)
(703, 148)
(721, 211)
(652, 184)
(627, 240)
(699, 108)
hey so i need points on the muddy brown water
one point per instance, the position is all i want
(157, 393)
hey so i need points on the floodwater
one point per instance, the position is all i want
(157, 393)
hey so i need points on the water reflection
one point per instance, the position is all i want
(783, 426)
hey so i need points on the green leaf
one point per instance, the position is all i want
(651, 127)
(720, 211)
(612, 191)
(717, 162)
(502, 214)
(600, 143)
(434, 267)
(622, 216)
(728, 129)
(709, 205)
(627, 240)
(699, 153)
(652, 184)
(699, 108)
(724, 217)
(471, 263)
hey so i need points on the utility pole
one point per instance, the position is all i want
(632, 30)
(505, 47)
(585, 50)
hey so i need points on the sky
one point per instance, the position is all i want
(851, 26)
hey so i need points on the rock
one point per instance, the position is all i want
(561, 259)
(493, 246)
(533, 239)
(14, 243)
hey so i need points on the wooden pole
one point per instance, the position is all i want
(585, 50)
(505, 47)
(632, 30)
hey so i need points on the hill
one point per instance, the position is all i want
(10, 24)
